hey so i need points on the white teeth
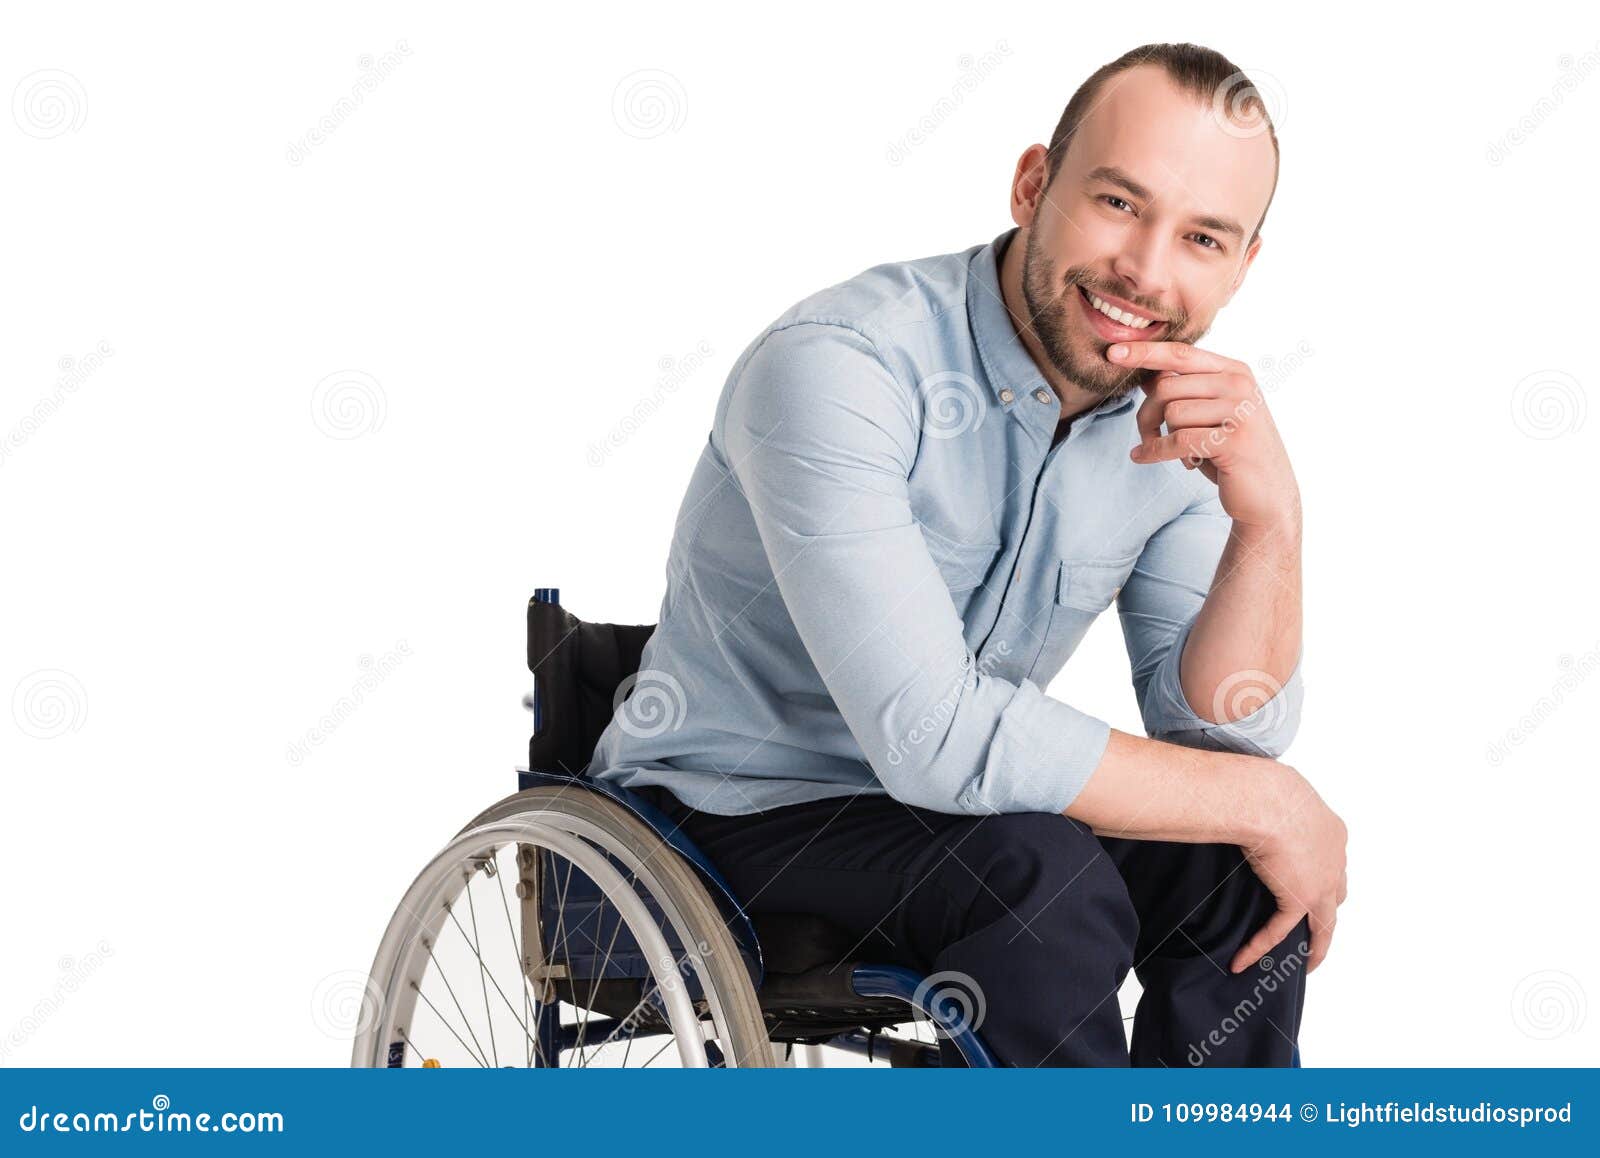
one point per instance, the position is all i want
(1118, 315)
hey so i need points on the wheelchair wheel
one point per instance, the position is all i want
(558, 930)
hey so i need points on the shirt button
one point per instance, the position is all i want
(1006, 395)
(1042, 394)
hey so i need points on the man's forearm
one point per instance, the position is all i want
(1250, 622)
(1151, 790)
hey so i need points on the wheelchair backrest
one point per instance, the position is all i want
(577, 668)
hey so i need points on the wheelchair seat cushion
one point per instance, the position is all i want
(799, 942)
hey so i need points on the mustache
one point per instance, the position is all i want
(1079, 275)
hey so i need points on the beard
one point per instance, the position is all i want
(1075, 350)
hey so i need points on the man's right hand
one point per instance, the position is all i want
(1151, 790)
(1300, 857)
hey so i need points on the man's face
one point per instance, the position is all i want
(1150, 212)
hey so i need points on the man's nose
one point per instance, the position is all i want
(1145, 265)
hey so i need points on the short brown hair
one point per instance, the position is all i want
(1203, 73)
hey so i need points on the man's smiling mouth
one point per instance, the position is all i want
(1118, 314)
(1119, 322)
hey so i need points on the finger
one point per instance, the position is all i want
(1275, 930)
(1169, 388)
(1148, 416)
(1194, 442)
(1183, 413)
(1218, 417)
(1179, 356)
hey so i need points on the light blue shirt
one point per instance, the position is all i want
(882, 560)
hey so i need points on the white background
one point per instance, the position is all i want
(200, 560)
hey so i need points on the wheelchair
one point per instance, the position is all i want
(579, 926)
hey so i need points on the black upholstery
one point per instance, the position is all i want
(577, 668)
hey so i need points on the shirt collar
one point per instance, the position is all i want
(1006, 361)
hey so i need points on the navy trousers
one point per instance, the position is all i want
(1032, 921)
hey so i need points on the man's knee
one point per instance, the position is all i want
(1045, 878)
(1193, 897)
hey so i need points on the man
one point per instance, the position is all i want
(921, 487)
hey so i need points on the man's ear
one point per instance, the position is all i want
(1028, 184)
(1244, 268)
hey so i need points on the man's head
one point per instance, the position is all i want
(1149, 201)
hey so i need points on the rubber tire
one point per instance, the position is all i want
(748, 1046)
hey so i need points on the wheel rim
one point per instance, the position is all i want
(432, 915)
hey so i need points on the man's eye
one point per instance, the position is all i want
(1116, 202)
(1206, 240)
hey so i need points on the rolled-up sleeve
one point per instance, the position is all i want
(821, 438)
(1158, 605)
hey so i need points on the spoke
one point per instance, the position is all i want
(483, 970)
(413, 1045)
(644, 999)
(451, 990)
(670, 1039)
(516, 940)
(487, 972)
(594, 982)
(448, 1026)
(562, 941)
(560, 938)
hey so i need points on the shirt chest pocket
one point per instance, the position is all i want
(1083, 591)
(963, 565)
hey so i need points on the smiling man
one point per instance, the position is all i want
(922, 486)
